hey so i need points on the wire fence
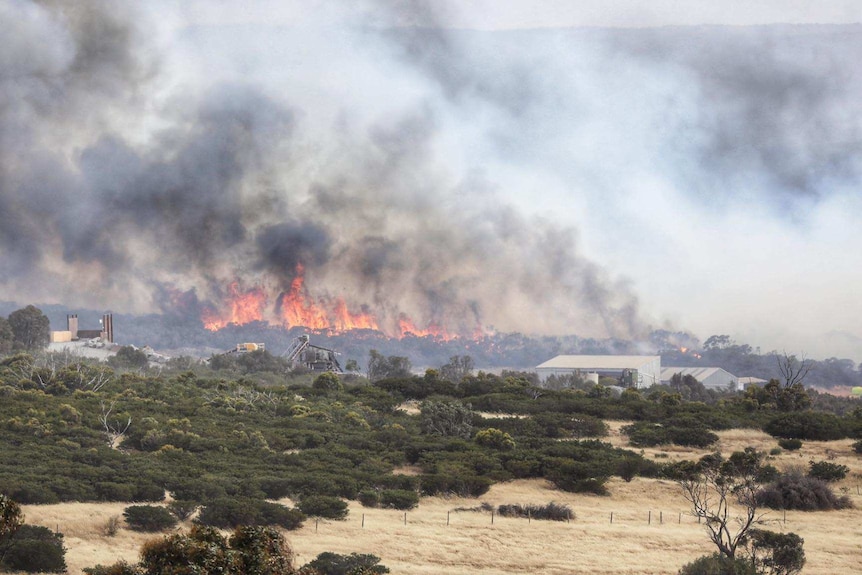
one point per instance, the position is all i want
(649, 517)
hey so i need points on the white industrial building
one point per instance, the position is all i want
(637, 370)
(711, 377)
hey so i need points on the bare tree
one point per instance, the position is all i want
(114, 430)
(793, 370)
(723, 494)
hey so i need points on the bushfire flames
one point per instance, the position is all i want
(296, 307)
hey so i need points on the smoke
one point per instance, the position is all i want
(544, 181)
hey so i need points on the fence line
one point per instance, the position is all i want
(614, 518)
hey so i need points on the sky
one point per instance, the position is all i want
(591, 168)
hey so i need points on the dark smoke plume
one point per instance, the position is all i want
(118, 174)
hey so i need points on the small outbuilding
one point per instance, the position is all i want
(631, 370)
(711, 377)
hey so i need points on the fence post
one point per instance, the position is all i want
(363, 520)
(612, 516)
(492, 517)
(649, 517)
(315, 525)
(529, 516)
(661, 517)
(405, 518)
(680, 519)
(447, 517)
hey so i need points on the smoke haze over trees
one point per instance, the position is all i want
(535, 181)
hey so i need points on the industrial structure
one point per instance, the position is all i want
(710, 377)
(302, 353)
(630, 370)
(72, 333)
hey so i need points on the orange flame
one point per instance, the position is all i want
(243, 307)
(296, 307)
(345, 320)
(407, 327)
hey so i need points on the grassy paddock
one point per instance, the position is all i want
(471, 544)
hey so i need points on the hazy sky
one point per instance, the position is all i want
(494, 165)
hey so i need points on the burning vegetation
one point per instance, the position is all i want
(298, 307)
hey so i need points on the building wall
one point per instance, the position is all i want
(61, 336)
(719, 380)
(649, 373)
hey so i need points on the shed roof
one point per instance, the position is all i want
(699, 373)
(598, 361)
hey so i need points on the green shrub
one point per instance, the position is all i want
(578, 476)
(33, 548)
(233, 512)
(182, 509)
(120, 568)
(790, 444)
(796, 491)
(552, 511)
(857, 446)
(767, 474)
(629, 467)
(327, 382)
(460, 485)
(775, 553)
(827, 471)
(718, 565)
(324, 506)
(806, 425)
(495, 439)
(777, 450)
(335, 564)
(11, 517)
(148, 518)
(398, 499)
(369, 498)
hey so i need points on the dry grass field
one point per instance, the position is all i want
(650, 533)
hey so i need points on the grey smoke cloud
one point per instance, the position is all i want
(547, 181)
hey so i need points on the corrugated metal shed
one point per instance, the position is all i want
(647, 367)
(710, 377)
(597, 361)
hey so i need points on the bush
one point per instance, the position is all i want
(495, 439)
(33, 548)
(148, 518)
(552, 511)
(806, 425)
(718, 565)
(578, 476)
(369, 498)
(111, 527)
(326, 382)
(776, 553)
(399, 499)
(790, 444)
(231, 513)
(335, 564)
(121, 568)
(11, 517)
(460, 485)
(182, 509)
(827, 471)
(857, 446)
(324, 506)
(796, 491)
